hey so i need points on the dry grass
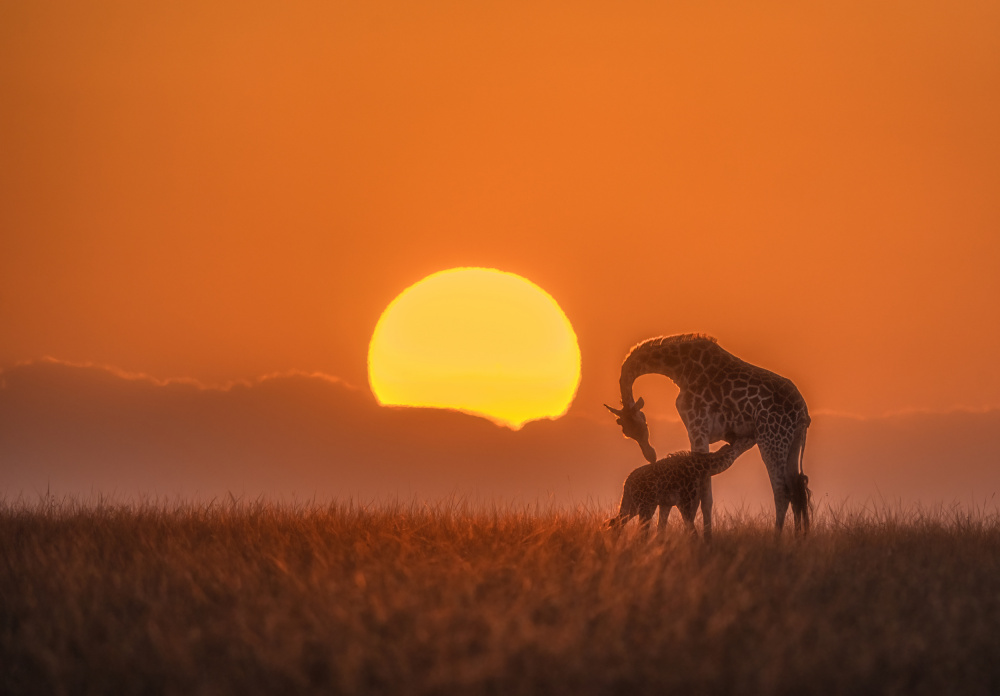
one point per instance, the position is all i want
(259, 598)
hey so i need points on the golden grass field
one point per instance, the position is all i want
(396, 599)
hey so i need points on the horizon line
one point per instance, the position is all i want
(575, 408)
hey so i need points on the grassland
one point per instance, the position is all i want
(260, 598)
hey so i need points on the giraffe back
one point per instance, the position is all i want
(727, 398)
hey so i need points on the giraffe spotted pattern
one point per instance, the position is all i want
(681, 479)
(724, 398)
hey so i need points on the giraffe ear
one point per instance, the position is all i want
(614, 411)
(640, 403)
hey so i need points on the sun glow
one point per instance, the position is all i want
(477, 340)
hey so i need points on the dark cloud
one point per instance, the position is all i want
(85, 430)
(82, 429)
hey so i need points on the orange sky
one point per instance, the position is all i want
(219, 190)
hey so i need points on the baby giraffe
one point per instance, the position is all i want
(683, 479)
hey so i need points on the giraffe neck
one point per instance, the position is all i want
(650, 359)
(727, 454)
(630, 373)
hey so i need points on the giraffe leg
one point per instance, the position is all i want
(780, 505)
(700, 442)
(706, 508)
(646, 516)
(664, 516)
(688, 510)
(783, 469)
(779, 485)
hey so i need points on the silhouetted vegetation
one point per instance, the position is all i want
(262, 598)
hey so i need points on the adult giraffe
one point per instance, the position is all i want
(724, 398)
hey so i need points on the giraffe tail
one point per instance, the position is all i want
(802, 448)
(625, 510)
(800, 494)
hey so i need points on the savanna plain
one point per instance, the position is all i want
(410, 599)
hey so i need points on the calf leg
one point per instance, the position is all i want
(664, 516)
(688, 510)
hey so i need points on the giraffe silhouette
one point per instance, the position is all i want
(724, 398)
(682, 479)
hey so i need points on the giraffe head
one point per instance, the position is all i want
(633, 423)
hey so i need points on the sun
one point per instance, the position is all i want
(477, 340)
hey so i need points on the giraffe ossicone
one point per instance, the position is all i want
(633, 423)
